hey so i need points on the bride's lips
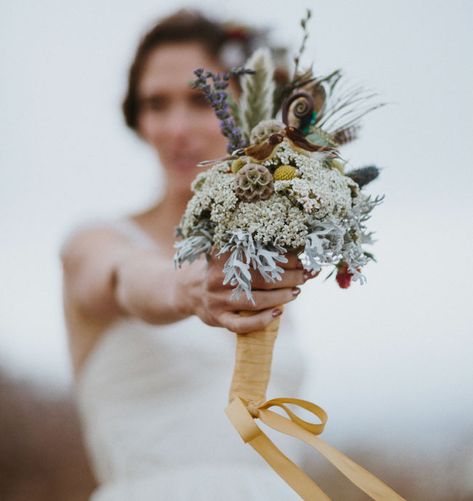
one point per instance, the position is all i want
(185, 162)
(184, 165)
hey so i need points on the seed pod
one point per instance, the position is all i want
(265, 129)
(254, 182)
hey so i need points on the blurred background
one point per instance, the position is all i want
(391, 361)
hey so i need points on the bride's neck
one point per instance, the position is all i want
(171, 207)
(162, 219)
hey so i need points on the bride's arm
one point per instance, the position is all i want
(106, 276)
(88, 260)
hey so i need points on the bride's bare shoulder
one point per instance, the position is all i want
(83, 236)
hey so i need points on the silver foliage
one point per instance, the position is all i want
(246, 253)
(324, 244)
(191, 248)
(332, 240)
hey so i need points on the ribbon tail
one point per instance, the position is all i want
(296, 478)
(362, 478)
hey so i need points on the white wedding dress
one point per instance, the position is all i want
(152, 399)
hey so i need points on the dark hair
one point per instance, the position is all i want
(186, 26)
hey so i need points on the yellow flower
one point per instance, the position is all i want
(336, 164)
(237, 165)
(285, 173)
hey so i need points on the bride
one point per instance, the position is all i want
(151, 350)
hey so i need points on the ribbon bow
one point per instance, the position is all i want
(244, 422)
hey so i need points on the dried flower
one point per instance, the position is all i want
(218, 99)
(284, 173)
(238, 164)
(287, 190)
(343, 276)
(254, 182)
(265, 129)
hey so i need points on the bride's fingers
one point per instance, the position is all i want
(273, 298)
(244, 324)
(263, 300)
(290, 278)
(293, 262)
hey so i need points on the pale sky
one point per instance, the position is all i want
(398, 349)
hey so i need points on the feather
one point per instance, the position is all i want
(299, 140)
(320, 137)
(364, 175)
(319, 95)
(256, 103)
(345, 107)
(346, 135)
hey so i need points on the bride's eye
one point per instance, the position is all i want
(153, 103)
(199, 100)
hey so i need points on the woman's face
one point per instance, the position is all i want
(174, 118)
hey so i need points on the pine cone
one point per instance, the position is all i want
(254, 182)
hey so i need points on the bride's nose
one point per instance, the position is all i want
(179, 123)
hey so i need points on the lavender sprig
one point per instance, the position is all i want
(217, 96)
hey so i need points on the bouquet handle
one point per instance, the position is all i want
(252, 370)
(247, 402)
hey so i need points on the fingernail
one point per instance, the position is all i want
(310, 274)
(296, 291)
(276, 312)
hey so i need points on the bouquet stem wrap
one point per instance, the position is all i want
(247, 402)
(254, 353)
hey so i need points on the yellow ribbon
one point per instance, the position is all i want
(243, 421)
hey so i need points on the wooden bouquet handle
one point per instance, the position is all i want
(253, 359)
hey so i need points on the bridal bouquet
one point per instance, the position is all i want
(283, 187)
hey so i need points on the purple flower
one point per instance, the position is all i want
(217, 97)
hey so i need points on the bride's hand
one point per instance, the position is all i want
(211, 301)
